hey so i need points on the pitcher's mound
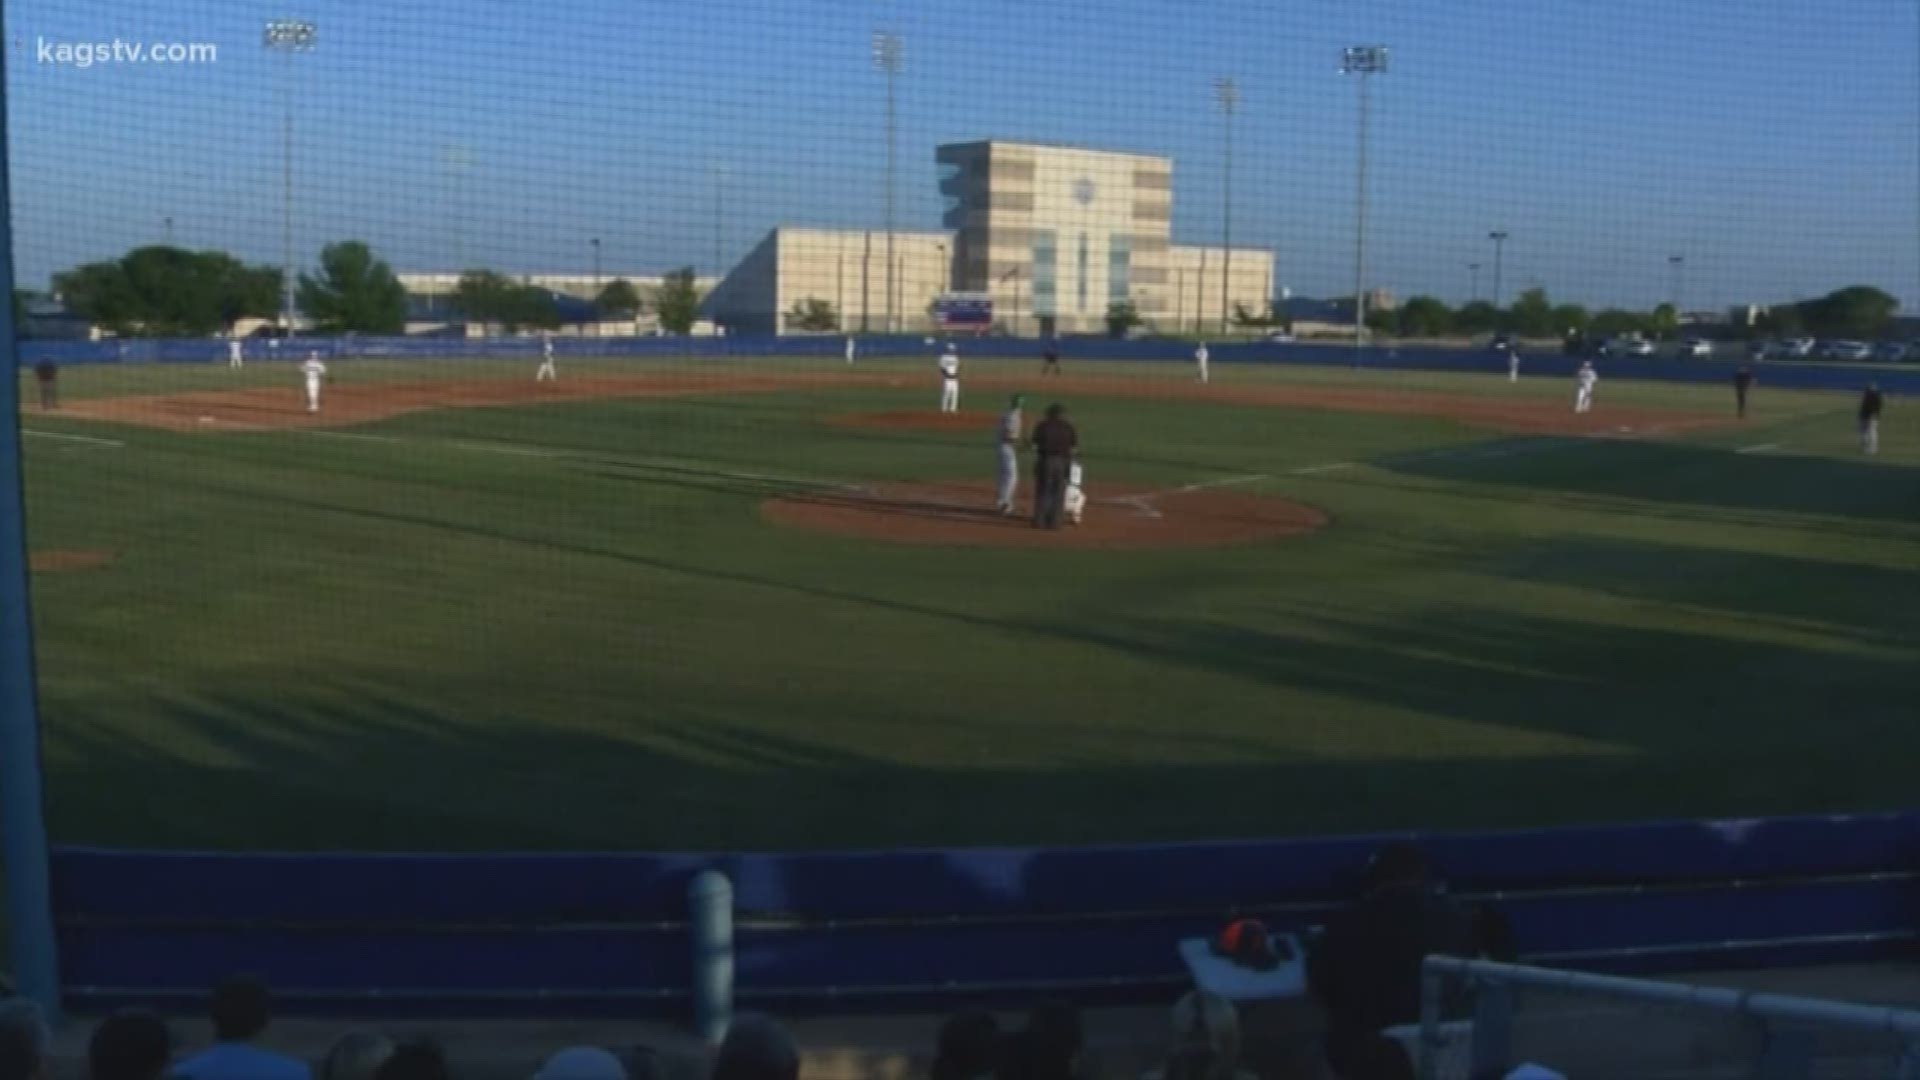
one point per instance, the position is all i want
(919, 420)
(1117, 518)
(59, 562)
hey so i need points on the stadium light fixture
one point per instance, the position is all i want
(288, 37)
(1365, 61)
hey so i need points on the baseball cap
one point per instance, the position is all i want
(582, 1063)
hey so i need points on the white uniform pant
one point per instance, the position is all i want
(950, 395)
(547, 373)
(1870, 436)
(1009, 477)
(235, 359)
(1513, 369)
(313, 393)
(1075, 504)
(1203, 369)
(1583, 399)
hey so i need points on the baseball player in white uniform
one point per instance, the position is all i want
(850, 352)
(547, 372)
(1583, 382)
(1200, 356)
(1011, 432)
(1075, 502)
(236, 356)
(314, 371)
(950, 380)
(1513, 364)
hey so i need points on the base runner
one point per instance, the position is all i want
(1583, 383)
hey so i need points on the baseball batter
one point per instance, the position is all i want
(547, 372)
(1583, 383)
(314, 372)
(950, 380)
(1011, 432)
(236, 356)
(1075, 502)
(1200, 356)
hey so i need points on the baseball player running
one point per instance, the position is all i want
(1200, 356)
(1583, 383)
(236, 355)
(547, 372)
(1075, 502)
(313, 371)
(1011, 432)
(950, 380)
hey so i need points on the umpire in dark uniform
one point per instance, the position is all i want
(1054, 443)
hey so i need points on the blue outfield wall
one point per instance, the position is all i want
(609, 934)
(1792, 375)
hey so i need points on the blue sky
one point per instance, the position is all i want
(1775, 145)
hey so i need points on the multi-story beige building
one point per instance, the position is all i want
(1059, 234)
(847, 270)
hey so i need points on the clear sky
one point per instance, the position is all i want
(1773, 144)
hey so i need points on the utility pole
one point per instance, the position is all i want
(1499, 238)
(887, 55)
(1365, 61)
(1228, 95)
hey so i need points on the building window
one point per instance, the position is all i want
(1082, 283)
(1119, 267)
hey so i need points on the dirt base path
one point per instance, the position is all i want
(270, 409)
(1117, 518)
(65, 562)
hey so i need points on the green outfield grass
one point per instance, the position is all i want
(566, 626)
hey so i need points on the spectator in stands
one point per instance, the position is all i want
(1365, 971)
(756, 1048)
(24, 1040)
(968, 1047)
(582, 1063)
(357, 1055)
(1048, 1049)
(241, 1011)
(1206, 1040)
(133, 1044)
(418, 1059)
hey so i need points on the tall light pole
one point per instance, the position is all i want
(1014, 276)
(287, 37)
(1228, 95)
(1365, 61)
(1474, 269)
(887, 56)
(1499, 238)
(719, 179)
(946, 273)
(169, 224)
(456, 159)
(596, 261)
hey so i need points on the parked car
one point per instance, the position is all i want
(1762, 349)
(1846, 350)
(1893, 352)
(1695, 348)
(1626, 346)
(1280, 337)
(1502, 342)
(1797, 348)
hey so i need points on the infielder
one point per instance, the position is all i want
(950, 380)
(850, 352)
(1200, 357)
(1513, 364)
(1011, 431)
(314, 371)
(1870, 419)
(1075, 502)
(547, 372)
(236, 355)
(1583, 382)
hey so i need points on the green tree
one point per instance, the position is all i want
(490, 297)
(813, 314)
(1782, 320)
(162, 291)
(1858, 311)
(1478, 317)
(1122, 316)
(354, 292)
(1425, 316)
(1383, 320)
(1614, 322)
(1664, 321)
(1532, 315)
(1571, 317)
(679, 301)
(618, 300)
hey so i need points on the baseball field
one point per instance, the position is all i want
(764, 604)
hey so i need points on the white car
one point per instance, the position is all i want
(1847, 350)
(1627, 347)
(1695, 349)
(1797, 348)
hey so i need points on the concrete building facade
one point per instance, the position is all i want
(846, 269)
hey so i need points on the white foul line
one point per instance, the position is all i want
(1228, 481)
(353, 435)
(1760, 449)
(87, 439)
(1314, 469)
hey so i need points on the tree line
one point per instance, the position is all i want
(165, 291)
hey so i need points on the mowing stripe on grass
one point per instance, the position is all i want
(1226, 482)
(85, 440)
(1759, 449)
(1315, 470)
